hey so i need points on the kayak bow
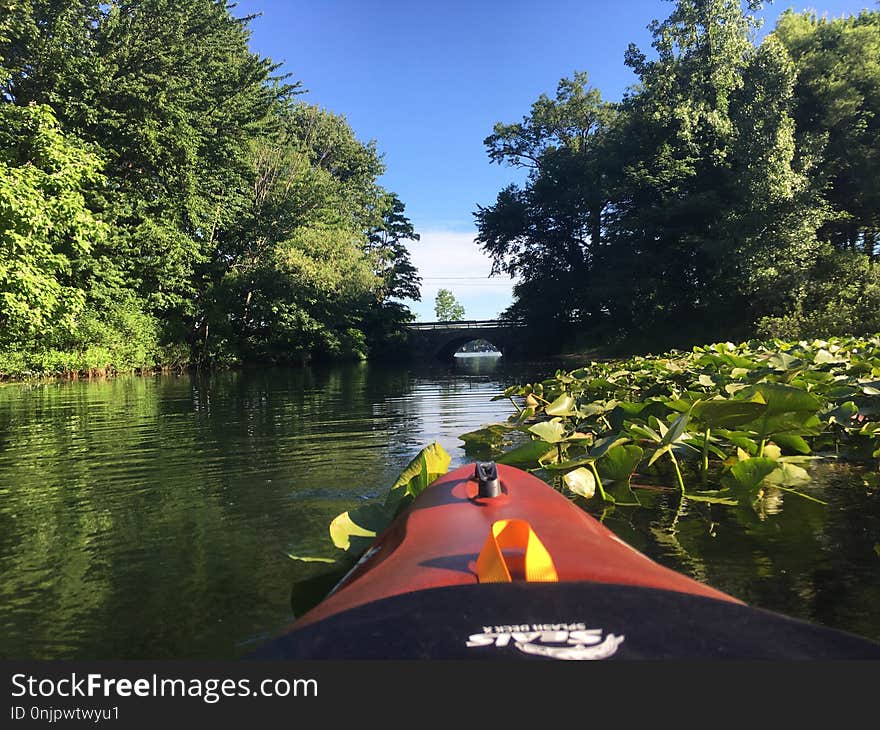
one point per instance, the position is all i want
(492, 563)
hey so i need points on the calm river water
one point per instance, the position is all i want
(152, 517)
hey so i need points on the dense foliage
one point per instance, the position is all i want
(733, 192)
(447, 308)
(730, 424)
(165, 198)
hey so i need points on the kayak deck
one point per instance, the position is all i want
(436, 541)
(417, 594)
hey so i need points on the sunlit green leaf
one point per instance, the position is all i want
(745, 477)
(581, 481)
(365, 521)
(620, 462)
(562, 406)
(428, 465)
(843, 414)
(783, 361)
(783, 398)
(549, 431)
(354, 528)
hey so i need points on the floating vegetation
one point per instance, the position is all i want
(725, 423)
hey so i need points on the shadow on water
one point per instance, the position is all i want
(150, 517)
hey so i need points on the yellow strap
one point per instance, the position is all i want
(512, 535)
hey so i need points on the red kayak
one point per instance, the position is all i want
(492, 563)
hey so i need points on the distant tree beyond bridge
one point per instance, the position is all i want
(441, 340)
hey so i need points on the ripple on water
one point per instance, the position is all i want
(151, 516)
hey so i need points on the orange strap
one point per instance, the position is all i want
(514, 535)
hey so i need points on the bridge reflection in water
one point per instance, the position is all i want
(441, 340)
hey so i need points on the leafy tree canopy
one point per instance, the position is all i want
(447, 307)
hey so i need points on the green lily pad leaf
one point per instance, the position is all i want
(680, 404)
(356, 528)
(630, 409)
(603, 445)
(581, 481)
(706, 381)
(843, 414)
(792, 424)
(592, 409)
(489, 436)
(570, 464)
(620, 462)
(870, 428)
(838, 392)
(428, 465)
(698, 441)
(783, 361)
(729, 413)
(617, 467)
(783, 398)
(792, 442)
(562, 406)
(366, 521)
(645, 431)
(676, 429)
(527, 454)
(789, 475)
(824, 357)
(745, 477)
(551, 432)
(526, 414)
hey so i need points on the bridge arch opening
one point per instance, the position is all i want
(478, 348)
(468, 346)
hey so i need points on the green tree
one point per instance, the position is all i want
(387, 244)
(171, 95)
(837, 134)
(447, 308)
(295, 276)
(47, 231)
(386, 315)
(242, 223)
(705, 150)
(837, 114)
(549, 233)
(683, 212)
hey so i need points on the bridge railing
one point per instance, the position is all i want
(464, 324)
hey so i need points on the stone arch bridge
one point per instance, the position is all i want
(440, 340)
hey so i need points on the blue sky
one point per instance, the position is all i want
(428, 80)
